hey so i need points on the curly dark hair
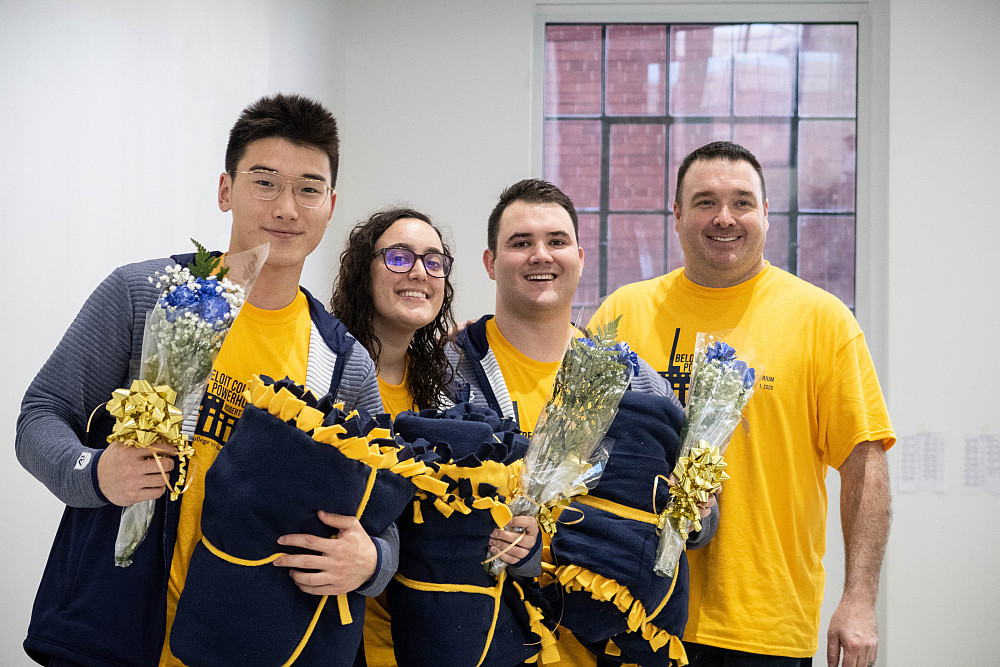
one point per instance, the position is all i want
(428, 371)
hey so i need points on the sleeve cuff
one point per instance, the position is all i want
(93, 476)
(531, 564)
(363, 588)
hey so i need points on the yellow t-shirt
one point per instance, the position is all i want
(396, 398)
(529, 384)
(263, 342)
(758, 585)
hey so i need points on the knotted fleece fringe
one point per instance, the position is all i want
(574, 578)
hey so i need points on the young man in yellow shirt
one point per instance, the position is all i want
(756, 589)
(280, 173)
(510, 358)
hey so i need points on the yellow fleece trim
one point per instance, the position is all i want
(218, 553)
(574, 578)
(341, 599)
(549, 652)
(308, 633)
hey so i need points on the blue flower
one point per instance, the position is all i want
(181, 297)
(719, 350)
(628, 358)
(213, 309)
(749, 378)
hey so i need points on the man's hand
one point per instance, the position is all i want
(459, 328)
(341, 563)
(853, 630)
(128, 475)
(524, 527)
(705, 508)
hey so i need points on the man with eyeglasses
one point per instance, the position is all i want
(510, 359)
(281, 168)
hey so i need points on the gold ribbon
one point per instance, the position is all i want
(145, 415)
(698, 475)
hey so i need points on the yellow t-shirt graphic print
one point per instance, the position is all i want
(266, 342)
(757, 587)
(529, 382)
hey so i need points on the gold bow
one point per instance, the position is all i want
(144, 415)
(699, 474)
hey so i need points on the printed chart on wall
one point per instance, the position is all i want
(925, 457)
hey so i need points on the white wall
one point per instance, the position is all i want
(126, 106)
(943, 581)
(113, 125)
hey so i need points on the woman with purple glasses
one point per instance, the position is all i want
(394, 296)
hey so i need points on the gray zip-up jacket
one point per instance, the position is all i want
(87, 610)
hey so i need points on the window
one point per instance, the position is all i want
(623, 104)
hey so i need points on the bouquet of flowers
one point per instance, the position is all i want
(721, 385)
(183, 334)
(567, 451)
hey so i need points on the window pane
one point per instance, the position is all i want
(573, 159)
(776, 245)
(572, 70)
(764, 76)
(675, 254)
(589, 287)
(827, 163)
(769, 143)
(700, 70)
(635, 248)
(826, 254)
(685, 137)
(828, 66)
(637, 70)
(638, 153)
(787, 92)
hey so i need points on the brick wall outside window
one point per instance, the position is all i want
(624, 104)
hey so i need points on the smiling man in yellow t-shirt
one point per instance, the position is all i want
(510, 359)
(756, 588)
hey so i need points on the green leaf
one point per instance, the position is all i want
(204, 263)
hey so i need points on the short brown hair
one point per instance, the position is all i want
(531, 191)
(719, 150)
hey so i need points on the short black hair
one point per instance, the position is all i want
(298, 119)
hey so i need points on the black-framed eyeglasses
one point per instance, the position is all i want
(402, 260)
(267, 185)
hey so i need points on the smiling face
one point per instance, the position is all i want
(405, 302)
(538, 262)
(722, 223)
(293, 230)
